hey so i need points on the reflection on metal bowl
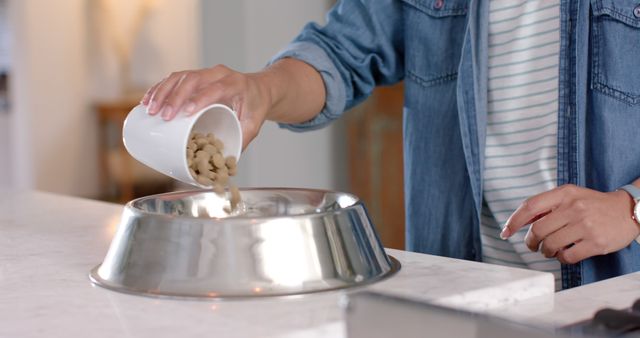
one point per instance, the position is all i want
(278, 242)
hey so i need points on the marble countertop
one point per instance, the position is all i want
(574, 305)
(48, 244)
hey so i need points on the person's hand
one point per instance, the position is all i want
(573, 223)
(191, 90)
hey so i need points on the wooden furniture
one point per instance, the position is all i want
(376, 162)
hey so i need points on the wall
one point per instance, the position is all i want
(5, 156)
(5, 61)
(62, 65)
(244, 34)
(168, 39)
(52, 130)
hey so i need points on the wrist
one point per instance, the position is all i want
(630, 201)
(273, 81)
(264, 91)
(296, 91)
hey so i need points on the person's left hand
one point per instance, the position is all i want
(573, 223)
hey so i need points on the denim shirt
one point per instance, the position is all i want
(439, 49)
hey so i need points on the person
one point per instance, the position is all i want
(520, 123)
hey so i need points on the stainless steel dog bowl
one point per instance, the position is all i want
(278, 242)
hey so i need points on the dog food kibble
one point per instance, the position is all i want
(218, 161)
(218, 188)
(204, 180)
(235, 197)
(223, 177)
(210, 149)
(201, 142)
(212, 176)
(218, 144)
(209, 167)
(230, 161)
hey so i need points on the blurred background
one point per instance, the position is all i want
(71, 70)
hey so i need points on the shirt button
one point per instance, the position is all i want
(440, 3)
(636, 11)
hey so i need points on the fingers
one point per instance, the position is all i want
(561, 240)
(191, 91)
(534, 207)
(180, 94)
(579, 223)
(544, 227)
(157, 101)
(147, 96)
(170, 96)
(575, 253)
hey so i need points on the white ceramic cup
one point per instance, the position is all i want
(162, 145)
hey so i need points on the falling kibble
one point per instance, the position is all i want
(235, 197)
(209, 167)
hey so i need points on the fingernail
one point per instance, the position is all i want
(166, 112)
(190, 108)
(505, 233)
(151, 107)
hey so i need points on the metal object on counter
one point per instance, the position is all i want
(279, 242)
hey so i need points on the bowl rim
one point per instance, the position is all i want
(130, 205)
(96, 280)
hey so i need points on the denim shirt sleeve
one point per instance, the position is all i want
(361, 46)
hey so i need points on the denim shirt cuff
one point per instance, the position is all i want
(334, 86)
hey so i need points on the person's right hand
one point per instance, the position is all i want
(191, 90)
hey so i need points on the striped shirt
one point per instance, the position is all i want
(524, 42)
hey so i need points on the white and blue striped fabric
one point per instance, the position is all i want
(524, 42)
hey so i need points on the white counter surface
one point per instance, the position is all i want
(574, 305)
(48, 244)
